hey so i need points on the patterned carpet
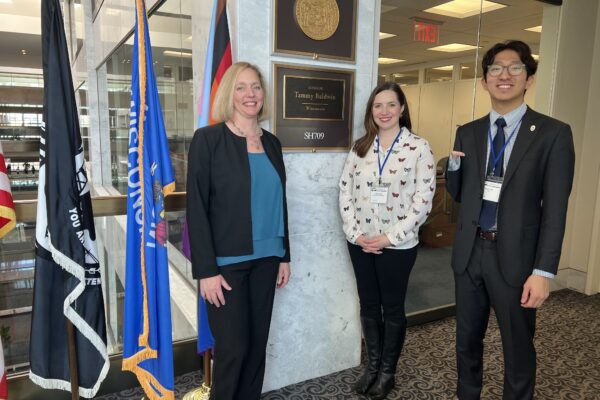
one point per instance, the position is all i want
(567, 340)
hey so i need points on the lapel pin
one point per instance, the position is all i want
(532, 128)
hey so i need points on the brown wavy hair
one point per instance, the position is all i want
(362, 145)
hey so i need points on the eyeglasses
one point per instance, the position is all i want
(513, 69)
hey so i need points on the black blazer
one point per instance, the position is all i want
(533, 200)
(218, 196)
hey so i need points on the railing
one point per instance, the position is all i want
(17, 265)
(103, 206)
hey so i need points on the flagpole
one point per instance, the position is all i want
(203, 392)
(207, 369)
(73, 360)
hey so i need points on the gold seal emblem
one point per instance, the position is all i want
(318, 19)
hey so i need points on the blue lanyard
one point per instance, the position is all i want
(381, 166)
(495, 157)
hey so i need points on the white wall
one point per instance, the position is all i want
(576, 101)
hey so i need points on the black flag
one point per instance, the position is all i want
(67, 276)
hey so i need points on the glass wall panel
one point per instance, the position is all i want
(439, 74)
(78, 21)
(406, 78)
(170, 33)
(17, 260)
(440, 96)
(469, 69)
(81, 96)
(21, 98)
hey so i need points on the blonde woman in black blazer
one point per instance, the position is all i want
(237, 218)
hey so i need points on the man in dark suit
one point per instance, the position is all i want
(512, 172)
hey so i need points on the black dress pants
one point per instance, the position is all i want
(479, 287)
(241, 329)
(382, 280)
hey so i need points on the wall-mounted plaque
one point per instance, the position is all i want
(316, 28)
(313, 107)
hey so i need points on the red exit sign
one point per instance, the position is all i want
(426, 32)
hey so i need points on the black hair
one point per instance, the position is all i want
(521, 48)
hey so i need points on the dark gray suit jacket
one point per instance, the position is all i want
(218, 196)
(533, 201)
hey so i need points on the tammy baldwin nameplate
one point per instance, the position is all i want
(313, 107)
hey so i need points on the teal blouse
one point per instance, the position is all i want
(266, 196)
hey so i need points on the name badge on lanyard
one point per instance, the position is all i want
(379, 194)
(492, 188)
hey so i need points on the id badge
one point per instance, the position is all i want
(491, 189)
(379, 195)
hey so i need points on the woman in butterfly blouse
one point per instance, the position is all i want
(386, 191)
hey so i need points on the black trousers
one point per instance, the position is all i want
(382, 280)
(480, 287)
(241, 329)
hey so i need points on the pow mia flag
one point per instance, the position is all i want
(67, 277)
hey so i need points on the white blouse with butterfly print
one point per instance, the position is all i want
(410, 174)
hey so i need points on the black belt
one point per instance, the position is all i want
(487, 235)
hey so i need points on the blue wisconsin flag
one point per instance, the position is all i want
(147, 342)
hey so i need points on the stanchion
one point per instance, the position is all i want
(203, 392)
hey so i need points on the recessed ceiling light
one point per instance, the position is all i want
(24, 52)
(383, 35)
(464, 8)
(448, 68)
(445, 68)
(453, 47)
(177, 54)
(385, 60)
(537, 29)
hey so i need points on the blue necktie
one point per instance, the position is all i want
(487, 218)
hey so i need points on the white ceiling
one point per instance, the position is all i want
(20, 27)
(496, 26)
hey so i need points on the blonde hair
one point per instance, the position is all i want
(223, 104)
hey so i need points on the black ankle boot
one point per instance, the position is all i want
(393, 340)
(372, 331)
